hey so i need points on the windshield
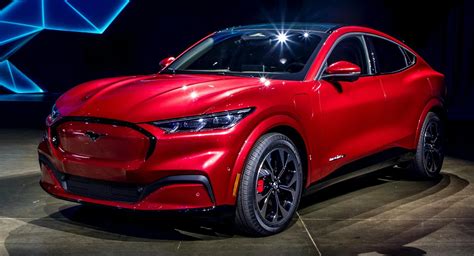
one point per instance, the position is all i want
(251, 53)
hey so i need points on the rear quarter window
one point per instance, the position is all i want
(410, 57)
(389, 56)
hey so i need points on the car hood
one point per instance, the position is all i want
(154, 97)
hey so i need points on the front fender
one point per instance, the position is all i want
(261, 129)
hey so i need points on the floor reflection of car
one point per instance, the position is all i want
(250, 117)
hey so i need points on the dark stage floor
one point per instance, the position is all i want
(383, 213)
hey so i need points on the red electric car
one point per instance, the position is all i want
(251, 117)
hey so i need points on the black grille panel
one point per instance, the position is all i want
(120, 192)
(102, 190)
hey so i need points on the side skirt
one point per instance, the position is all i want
(361, 167)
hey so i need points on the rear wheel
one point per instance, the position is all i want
(271, 186)
(430, 150)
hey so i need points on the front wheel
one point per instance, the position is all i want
(271, 186)
(430, 150)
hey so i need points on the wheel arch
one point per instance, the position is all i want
(434, 105)
(300, 144)
(280, 123)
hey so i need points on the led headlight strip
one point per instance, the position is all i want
(221, 120)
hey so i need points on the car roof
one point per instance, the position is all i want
(315, 27)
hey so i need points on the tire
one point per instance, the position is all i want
(430, 149)
(265, 181)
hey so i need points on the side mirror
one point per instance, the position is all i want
(166, 61)
(342, 71)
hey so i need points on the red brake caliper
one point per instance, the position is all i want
(260, 186)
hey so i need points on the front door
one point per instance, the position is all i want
(351, 112)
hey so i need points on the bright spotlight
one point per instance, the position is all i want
(282, 38)
(306, 35)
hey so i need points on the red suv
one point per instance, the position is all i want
(251, 117)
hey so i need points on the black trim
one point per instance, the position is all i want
(97, 189)
(363, 166)
(97, 120)
(221, 210)
(142, 191)
(179, 179)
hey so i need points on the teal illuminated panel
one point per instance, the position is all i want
(21, 20)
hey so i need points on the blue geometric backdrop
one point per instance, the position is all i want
(21, 20)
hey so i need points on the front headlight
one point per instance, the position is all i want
(53, 116)
(54, 112)
(221, 120)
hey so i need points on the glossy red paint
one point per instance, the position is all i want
(101, 141)
(342, 67)
(371, 114)
(166, 61)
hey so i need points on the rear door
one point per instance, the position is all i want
(401, 84)
(351, 112)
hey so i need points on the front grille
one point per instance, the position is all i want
(101, 138)
(102, 190)
(102, 141)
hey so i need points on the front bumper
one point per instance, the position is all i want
(183, 171)
(180, 192)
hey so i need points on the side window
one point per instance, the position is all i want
(389, 57)
(410, 57)
(350, 49)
